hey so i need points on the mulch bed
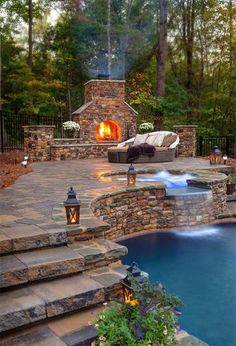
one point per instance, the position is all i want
(11, 168)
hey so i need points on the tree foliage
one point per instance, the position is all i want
(70, 44)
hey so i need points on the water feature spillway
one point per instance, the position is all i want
(199, 266)
(170, 180)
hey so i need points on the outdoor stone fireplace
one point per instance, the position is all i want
(105, 116)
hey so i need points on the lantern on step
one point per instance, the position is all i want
(139, 277)
(215, 156)
(131, 176)
(72, 207)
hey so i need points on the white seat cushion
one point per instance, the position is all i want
(139, 139)
(157, 142)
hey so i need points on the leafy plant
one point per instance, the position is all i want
(146, 127)
(151, 322)
(231, 180)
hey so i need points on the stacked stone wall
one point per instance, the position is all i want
(148, 208)
(78, 151)
(187, 140)
(37, 141)
(95, 89)
(105, 100)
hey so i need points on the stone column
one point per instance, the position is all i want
(37, 141)
(187, 140)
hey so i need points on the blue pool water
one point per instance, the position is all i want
(200, 267)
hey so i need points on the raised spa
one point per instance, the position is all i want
(199, 266)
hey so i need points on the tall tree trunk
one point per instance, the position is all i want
(30, 33)
(190, 41)
(0, 72)
(109, 37)
(68, 86)
(161, 60)
(126, 39)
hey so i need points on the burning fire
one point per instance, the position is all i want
(108, 130)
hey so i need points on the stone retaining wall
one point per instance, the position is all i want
(37, 141)
(148, 208)
(187, 140)
(78, 151)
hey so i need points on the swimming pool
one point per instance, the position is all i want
(200, 267)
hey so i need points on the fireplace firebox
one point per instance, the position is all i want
(105, 116)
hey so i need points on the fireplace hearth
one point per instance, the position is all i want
(105, 116)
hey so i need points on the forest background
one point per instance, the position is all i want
(49, 48)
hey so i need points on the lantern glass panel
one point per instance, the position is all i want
(73, 214)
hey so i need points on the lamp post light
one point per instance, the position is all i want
(72, 207)
(225, 158)
(215, 156)
(131, 175)
(24, 163)
(127, 286)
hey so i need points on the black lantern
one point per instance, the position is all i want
(127, 287)
(215, 156)
(72, 206)
(131, 175)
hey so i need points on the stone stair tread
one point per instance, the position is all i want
(40, 336)
(12, 271)
(39, 264)
(20, 307)
(39, 301)
(5, 243)
(81, 337)
(101, 249)
(26, 237)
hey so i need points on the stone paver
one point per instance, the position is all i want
(42, 336)
(19, 308)
(33, 196)
(48, 263)
(69, 294)
(12, 271)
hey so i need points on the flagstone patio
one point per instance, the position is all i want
(36, 244)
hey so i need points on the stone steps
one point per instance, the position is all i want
(39, 264)
(40, 301)
(99, 253)
(28, 237)
(43, 264)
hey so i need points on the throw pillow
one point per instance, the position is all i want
(158, 140)
(169, 139)
(139, 139)
(150, 140)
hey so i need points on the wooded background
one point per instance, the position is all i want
(178, 57)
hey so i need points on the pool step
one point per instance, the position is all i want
(99, 253)
(40, 301)
(39, 264)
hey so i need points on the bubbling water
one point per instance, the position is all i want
(170, 180)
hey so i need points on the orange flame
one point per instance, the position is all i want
(108, 130)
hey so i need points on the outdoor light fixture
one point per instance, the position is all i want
(72, 206)
(131, 175)
(215, 156)
(225, 157)
(24, 163)
(127, 286)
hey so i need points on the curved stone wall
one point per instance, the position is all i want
(147, 208)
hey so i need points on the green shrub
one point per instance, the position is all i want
(151, 322)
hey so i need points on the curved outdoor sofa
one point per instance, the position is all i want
(165, 143)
